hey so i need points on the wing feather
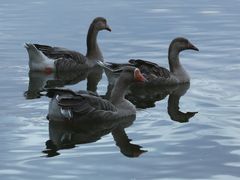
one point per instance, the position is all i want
(65, 58)
(152, 70)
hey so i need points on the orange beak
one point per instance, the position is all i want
(138, 76)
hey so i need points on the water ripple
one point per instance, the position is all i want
(207, 147)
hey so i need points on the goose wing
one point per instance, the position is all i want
(57, 53)
(86, 104)
(80, 102)
(115, 66)
(150, 69)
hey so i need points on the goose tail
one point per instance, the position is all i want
(112, 74)
(104, 66)
(37, 60)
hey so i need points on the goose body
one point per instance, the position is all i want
(48, 59)
(66, 104)
(157, 75)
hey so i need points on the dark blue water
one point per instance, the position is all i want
(206, 147)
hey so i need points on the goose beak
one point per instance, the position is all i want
(191, 46)
(138, 76)
(108, 28)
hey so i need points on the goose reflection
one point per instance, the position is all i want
(67, 134)
(173, 105)
(146, 96)
(38, 81)
(143, 97)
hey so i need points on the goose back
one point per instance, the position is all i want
(150, 69)
(84, 105)
(58, 52)
(64, 59)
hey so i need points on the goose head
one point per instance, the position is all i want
(180, 44)
(100, 23)
(130, 74)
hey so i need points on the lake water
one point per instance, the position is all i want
(206, 147)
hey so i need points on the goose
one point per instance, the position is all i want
(67, 104)
(50, 59)
(157, 75)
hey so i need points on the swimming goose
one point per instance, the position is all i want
(48, 59)
(157, 75)
(66, 104)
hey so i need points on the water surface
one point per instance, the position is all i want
(206, 147)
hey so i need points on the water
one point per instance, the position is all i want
(207, 147)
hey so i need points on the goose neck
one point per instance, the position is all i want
(93, 51)
(118, 92)
(176, 68)
(173, 58)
